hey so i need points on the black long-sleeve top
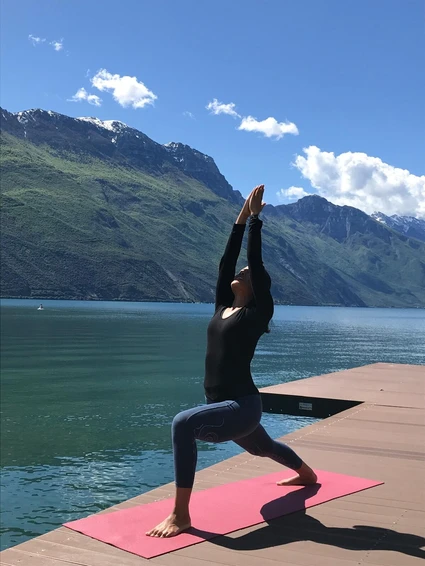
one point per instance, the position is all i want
(231, 342)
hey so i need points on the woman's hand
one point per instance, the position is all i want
(256, 203)
(245, 213)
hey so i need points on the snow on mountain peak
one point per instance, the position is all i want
(115, 125)
(172, 145)
(25, 116)
(379, 217)
(407, 225)
(112, 125)
(175, 146)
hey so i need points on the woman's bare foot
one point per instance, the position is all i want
(306, 476)
(171, 526)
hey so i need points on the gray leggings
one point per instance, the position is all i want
(237, 420)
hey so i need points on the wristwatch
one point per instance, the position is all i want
(255, 216)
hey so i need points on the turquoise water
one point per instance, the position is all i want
(89, 389)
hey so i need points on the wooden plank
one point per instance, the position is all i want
(397, 527)
(12, 557)
(82, 555)
(370, 384)
(65, 544)
(173, 559)
(281, 546)
(366, 497)
(222, 555)
(350, 504)
(381, 557)
(263, 542)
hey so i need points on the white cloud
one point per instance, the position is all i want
(36, 40)
(82, 94)
(270, 127)
(57, 45)
(293, 193)
(188, 114)
(217, 107)
(365, 182)
(127, 91)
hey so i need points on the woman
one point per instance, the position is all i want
(243, 309)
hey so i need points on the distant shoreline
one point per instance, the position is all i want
(277, 303)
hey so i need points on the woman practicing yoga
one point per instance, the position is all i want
(243, 309)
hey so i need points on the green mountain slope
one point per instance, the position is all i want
(98, 210)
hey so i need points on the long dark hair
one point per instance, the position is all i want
(252, 302)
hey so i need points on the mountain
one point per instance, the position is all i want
(95, 209)
(338, 222)
(407, 225)
(116, 142)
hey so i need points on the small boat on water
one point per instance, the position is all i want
(40, 308)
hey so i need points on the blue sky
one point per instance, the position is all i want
(346, 75)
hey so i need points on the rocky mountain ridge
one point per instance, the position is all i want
(115, 140)
(408, 225)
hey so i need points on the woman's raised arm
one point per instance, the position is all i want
(260, 279)
(226, 271)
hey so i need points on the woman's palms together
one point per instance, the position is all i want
(256, 203)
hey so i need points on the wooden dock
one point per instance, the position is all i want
(381, 436)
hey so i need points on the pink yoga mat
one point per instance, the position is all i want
(216, 511)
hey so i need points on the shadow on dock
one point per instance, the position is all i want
(302, 527)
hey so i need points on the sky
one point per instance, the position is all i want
(303, 96)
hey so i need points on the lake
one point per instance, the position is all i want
(89, 390)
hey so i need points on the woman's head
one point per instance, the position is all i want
(242, 288)
(241, 285)
(242, 282)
